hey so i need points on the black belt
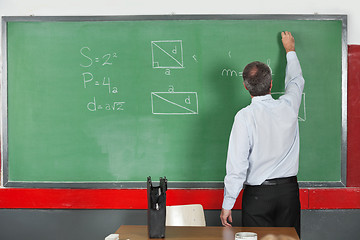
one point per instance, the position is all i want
(278, 181)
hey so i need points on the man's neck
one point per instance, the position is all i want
(262, 95)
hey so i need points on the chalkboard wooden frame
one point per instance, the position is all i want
(4, 146)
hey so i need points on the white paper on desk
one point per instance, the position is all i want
(112, 237)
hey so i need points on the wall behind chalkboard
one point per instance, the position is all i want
(112, 102)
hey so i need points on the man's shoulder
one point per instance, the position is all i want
(243, 112)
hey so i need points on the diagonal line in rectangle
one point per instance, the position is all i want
(173, 103)
(168, 54)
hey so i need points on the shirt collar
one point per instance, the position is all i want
(262, 98)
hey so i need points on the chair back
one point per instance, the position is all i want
(185, 215)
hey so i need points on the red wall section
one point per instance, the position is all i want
(73, 198)
(113, 198)
(353, 109)
(208, 198)
(343, 198)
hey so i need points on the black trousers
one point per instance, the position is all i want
(271, 206)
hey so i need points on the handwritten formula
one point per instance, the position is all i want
(90, 77)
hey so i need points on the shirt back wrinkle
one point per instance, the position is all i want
(273, 123)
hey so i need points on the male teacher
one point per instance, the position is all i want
(263, 152)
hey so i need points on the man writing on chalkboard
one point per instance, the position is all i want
(263, 152)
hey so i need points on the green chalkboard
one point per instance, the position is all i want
(109, 101)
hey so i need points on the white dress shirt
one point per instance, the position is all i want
(264, 140)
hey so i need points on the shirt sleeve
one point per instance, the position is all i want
(294, 81)
(237, 161)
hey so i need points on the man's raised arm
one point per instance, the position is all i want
(294, 81)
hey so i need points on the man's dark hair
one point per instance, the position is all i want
(257, 78)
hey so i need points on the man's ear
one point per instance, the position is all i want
(245, 86)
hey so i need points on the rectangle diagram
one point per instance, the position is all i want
(174, 103)
(167, 54)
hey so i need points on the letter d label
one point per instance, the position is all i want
(92, 105)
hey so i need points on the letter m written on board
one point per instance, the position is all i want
(229, 72)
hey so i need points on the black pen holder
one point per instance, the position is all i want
(156, 208)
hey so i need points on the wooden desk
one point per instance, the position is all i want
(195, 233)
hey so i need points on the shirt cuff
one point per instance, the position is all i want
(228, 203)
(291, 55)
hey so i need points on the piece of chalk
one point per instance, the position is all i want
(112, 237)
